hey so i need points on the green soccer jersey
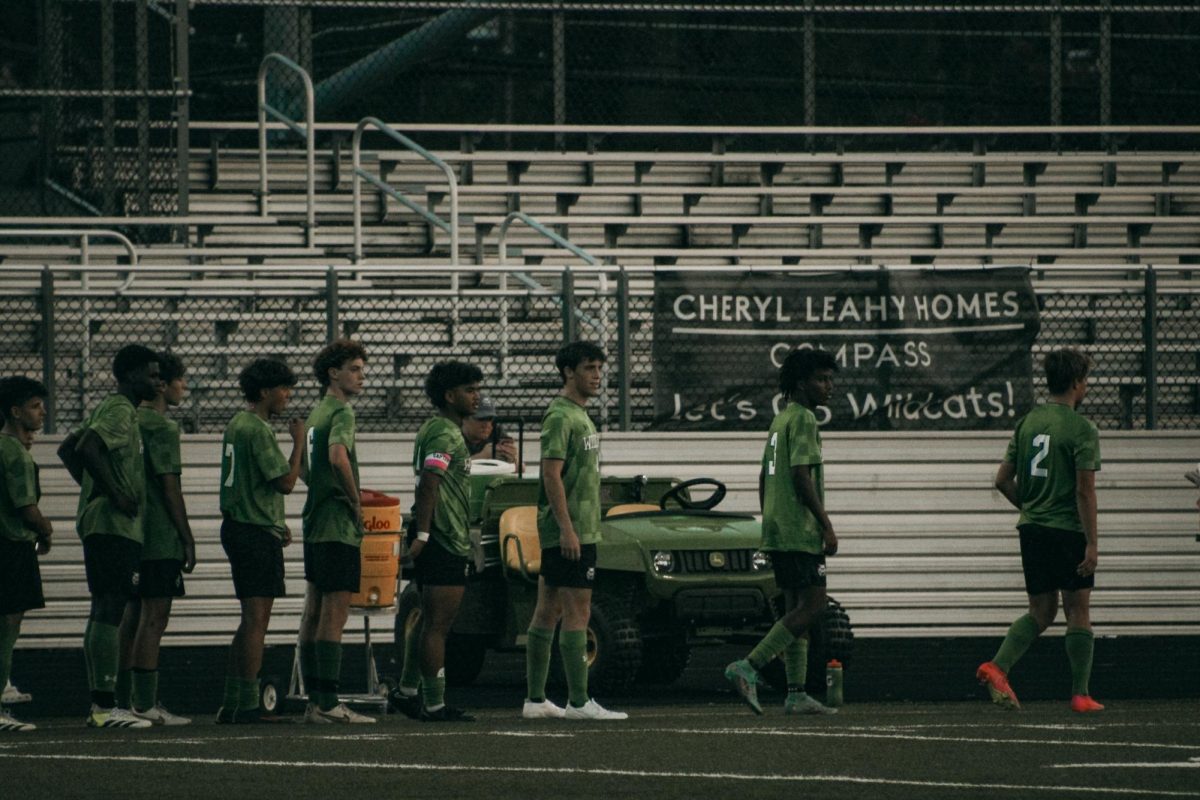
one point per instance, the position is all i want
(250, 461)
(1052, 443)
(328, 512)
(441, 450)
(20, 488)
(160, 445)
(792, 441)
(569, 435)
(115, 422)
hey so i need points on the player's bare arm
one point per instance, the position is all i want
(284, 484)
(93, 455)
(339, 459)
(806, 490)
(172, 491)
(1006, 483)
(1085, 500)
(69, 456)
(428, 488)
(33, 519)
(556, 495)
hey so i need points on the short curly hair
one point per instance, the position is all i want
(263, 374)
(800, 365)
(445, 376)
(334, 355)
(17, 390)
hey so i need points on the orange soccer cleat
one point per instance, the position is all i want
(1084, 704)
(996, 682)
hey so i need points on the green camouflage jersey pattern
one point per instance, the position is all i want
(20, 488)
(441, 450)
(115, 422)
(160, 446)
(250, 461)
(793, 440)
(568, 435)
(328, 512)
(1051, 444)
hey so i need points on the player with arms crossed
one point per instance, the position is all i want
(568, 529)
(254, 479)
(333, 530)
(105, 458)
(1049, 473)
(168, 551)
(24, 532)
(796, 531)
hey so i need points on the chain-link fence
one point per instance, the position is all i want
(96, 95)
(59, 331)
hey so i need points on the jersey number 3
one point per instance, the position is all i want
(1042, 443)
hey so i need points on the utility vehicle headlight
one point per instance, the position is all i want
(760, 561)
(663, 561)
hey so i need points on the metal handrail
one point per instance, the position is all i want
(307, 132)
(358, 174)
(84, 236)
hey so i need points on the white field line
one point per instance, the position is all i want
(1191, 763)
(540, 770)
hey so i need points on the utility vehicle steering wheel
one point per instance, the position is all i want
(676, 493)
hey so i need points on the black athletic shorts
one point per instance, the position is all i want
(798, 570)
(20, 578)
(563, 572)
(256, 559)
(333, 566)
(112, 563)
(160, 577)
(437, 566)
(1049, 557)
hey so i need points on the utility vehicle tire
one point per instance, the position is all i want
(465, 653)
(614, 646)
(663, 660)
(832, 638)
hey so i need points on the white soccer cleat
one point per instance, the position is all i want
(14, 695)
(10, 724)
(593, 711)
(114, 718)
(160, 716)
(543, 710)
(339, 714)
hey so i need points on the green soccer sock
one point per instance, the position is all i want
(247, 694)
(771, 645)
(410, 675)
(308, 669)
(8, 639)
(124, 688)
(1080, 644)
(329, 671)
(231, 698)
(1021, 634)
(433, 690)
(537, 662)
(103, 641)
(572, 646)
(145, 689)
(795, 661)
(88, 664)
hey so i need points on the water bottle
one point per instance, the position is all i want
(833, 683)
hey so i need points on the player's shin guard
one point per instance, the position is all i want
(795, 661)
(771, 645)
(1080, 645)
(1021, 634)
(8, 639)
(410, 676)
(329, 672)
(537, 662)
(145, 688)
(572, 646)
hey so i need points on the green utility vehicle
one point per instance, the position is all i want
(672, 573)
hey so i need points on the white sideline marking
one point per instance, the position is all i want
(624, 773)
(1191, 763)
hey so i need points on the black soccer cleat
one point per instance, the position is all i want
(408, 705)
(446, 714)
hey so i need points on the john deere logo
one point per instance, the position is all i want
(716, 560)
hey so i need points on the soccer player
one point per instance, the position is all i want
(1049, 473)
(333, 530)
(24, 532)
(796, 530)
(254, 479)
(439, 540)
(105, 458)
(568, 528)
(168, 550)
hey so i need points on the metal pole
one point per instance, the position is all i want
(568, 306)
(108, 106)
(1150, 347)
(810, 67)
(1056, 41)
(1105, 67)
(560, 75)
(624, 361)
(142, 47)
(182, 105)
(49, 368)
(331, 304)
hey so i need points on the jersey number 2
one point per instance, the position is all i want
(1042, 442)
